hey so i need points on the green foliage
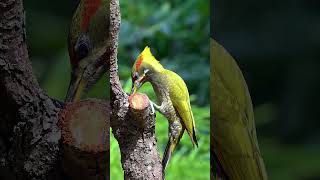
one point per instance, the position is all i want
(116, 171)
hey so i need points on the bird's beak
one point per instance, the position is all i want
(137, 84)
(76, 87)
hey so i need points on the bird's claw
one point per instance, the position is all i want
(153, 112)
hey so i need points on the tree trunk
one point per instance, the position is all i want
(29, 138)
(30, 146)
(134, 128)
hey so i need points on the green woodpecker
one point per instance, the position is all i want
(235, 142)
(87, 43)
(172, 94)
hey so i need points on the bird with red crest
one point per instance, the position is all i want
(88, 41)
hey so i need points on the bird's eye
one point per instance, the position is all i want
(145, 71)
(82, 47)
(82, 51)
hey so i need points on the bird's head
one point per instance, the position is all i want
(144, 69)
(87, 43)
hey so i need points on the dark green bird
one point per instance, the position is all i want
(88, 42)
(234, 139)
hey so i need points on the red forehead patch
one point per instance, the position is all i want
(139, 61)
(90, 8)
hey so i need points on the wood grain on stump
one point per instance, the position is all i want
(85, 136)
(139, 101)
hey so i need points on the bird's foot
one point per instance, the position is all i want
(155, 107)
(152, 104)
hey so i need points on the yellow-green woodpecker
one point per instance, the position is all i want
(88, 41)
(172, 94)
(235, 142)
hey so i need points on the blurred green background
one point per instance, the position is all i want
(276, 44)
(177, 32)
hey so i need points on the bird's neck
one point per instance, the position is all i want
(160, 86)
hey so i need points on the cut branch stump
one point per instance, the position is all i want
(85, 139)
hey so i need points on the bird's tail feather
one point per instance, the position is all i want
(171, 146)
(167, 154)
(194, 138)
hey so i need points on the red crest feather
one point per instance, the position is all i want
(139, 61)
(90, 8)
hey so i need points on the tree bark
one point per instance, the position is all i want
(28, 119)
(30, 146)
(139, 156)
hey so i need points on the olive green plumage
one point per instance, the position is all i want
(234, 134)
(173, 96)
(98, 25)
(88, 41)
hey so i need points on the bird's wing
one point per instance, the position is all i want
(234, 135)
(179, 96)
